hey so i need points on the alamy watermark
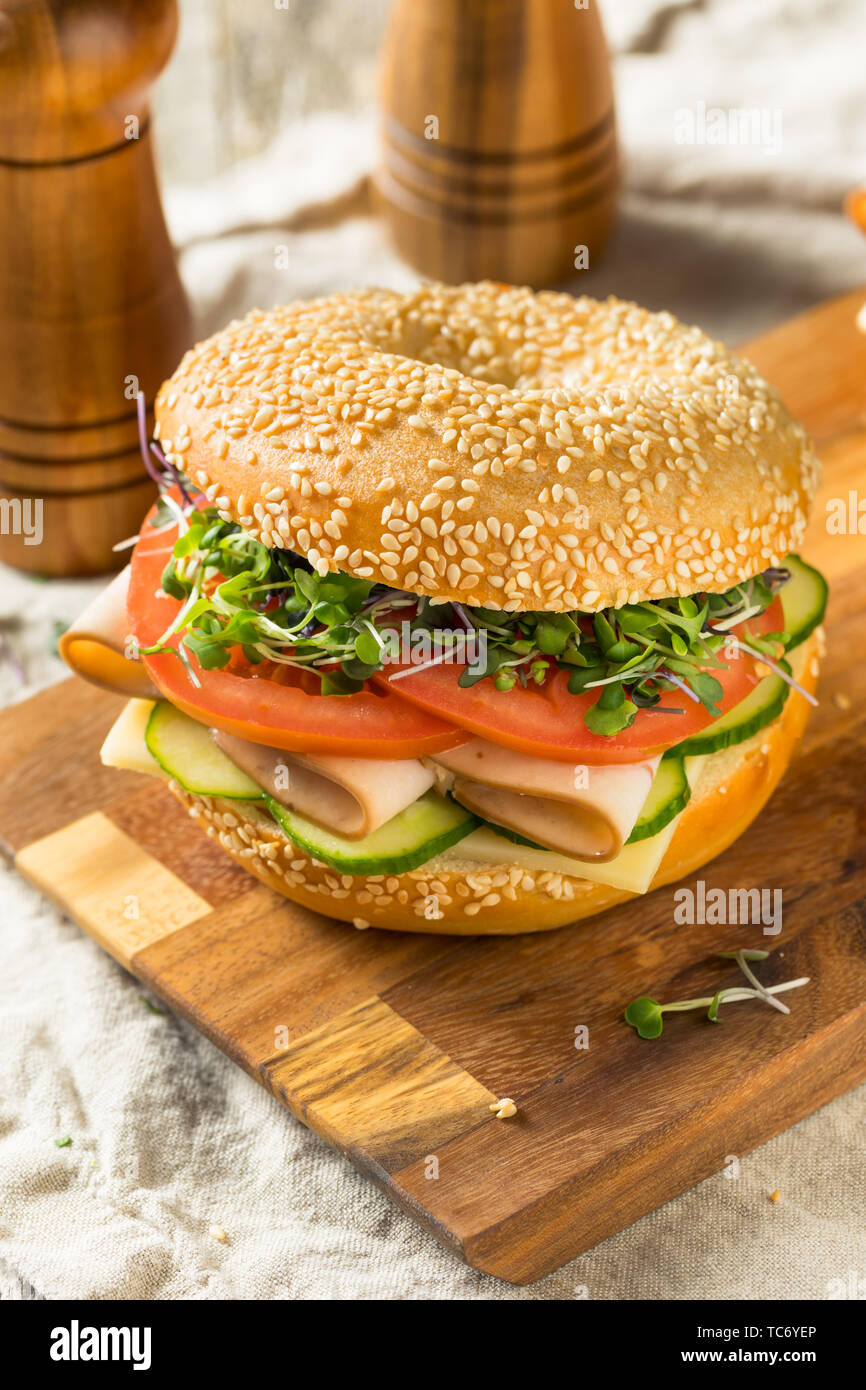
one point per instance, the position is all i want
(77, 1343)
(22, 517)
(415, 647)
(846, 516)
(725, 907)
(757, 126)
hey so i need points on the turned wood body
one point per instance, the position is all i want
(498, 142)
(90, 300)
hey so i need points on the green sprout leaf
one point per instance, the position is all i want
(611, 713)
(553, 632)
(583, 677)
(645, 1015)
(708, 690)
(713, 1010)
(235, 594)
(367, 649)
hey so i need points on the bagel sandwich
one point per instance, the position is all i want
(471, 610)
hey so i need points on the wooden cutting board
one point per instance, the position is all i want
(392, 1047)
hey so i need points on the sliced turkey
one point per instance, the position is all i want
(584, 811)
(95, 645)
(352, 796)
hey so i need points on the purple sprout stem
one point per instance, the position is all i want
(463, 617)
(681, 685)
(150, 450)
(170, 468)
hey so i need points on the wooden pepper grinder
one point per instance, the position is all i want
(499, 145)
(91, 305)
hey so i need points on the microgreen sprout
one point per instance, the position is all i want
(742, 958)
(150, 1006)
(645, 1014)
(162, 472)
(235, 593)
(270, 607)
(781, 670)
(632, 655)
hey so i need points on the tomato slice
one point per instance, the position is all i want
(248, 701)
(547, 721)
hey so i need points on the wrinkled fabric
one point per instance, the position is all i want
(169, 1139)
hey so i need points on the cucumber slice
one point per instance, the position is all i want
(430, 825)
(668, 795)
(185, 750)
(512, 835)
(761, 707)
(804, 599)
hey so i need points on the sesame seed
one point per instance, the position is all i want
(327, 382)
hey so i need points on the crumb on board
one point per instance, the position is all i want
(504, 1108)
(774, 1196)
(218, 1233)
(840, 699)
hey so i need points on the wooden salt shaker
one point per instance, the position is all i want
(499, 146)
(91, 305)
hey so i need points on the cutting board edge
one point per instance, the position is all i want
(474, 1248)
(482, 1249)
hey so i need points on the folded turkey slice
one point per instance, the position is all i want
(584, 811)
(95, 646)
(352, 796)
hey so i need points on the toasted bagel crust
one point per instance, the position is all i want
(476, 899)
(487, 444)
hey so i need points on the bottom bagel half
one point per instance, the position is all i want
(474, 899)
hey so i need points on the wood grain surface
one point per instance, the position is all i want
(393, 1047)
(498, 150)
(91, 305)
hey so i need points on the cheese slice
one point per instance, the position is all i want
(94, 646)
(352, 796)
(584, 811)
(633, 869)
(125, 747)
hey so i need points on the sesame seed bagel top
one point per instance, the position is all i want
(492, 445)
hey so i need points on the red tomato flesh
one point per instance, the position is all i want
(548, 722)
(286, 712)
(420, 714)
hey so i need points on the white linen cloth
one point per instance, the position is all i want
(169, 1138)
